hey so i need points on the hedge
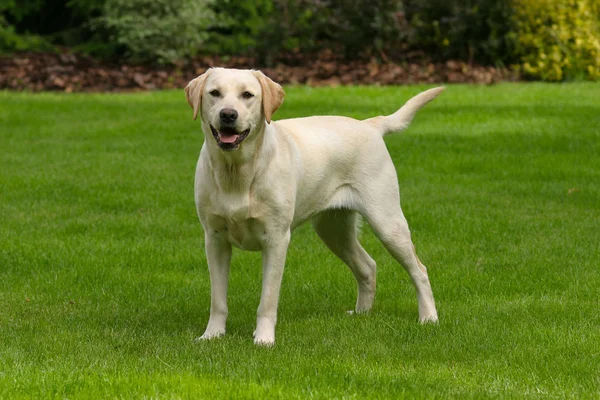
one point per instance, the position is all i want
(558, 39)
(543, 39)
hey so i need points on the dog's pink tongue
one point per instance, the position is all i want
(227, 138)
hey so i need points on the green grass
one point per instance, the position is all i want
(104, 285)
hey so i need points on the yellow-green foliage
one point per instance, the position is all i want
(559, 39)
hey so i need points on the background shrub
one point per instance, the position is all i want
(12, 13)
(470, 30)
(474, 30)
(559, 39)
(361, 28)
(263, 28)
(11, 41)
(157, 30)
(268, 28)
(544, 39)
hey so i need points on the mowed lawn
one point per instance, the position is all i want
(104, 284)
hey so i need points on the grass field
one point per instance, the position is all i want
(104, 284)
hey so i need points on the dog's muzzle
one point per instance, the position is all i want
(228, 138)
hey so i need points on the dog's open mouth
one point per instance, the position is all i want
(228, 138)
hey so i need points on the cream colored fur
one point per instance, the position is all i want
(325, 169)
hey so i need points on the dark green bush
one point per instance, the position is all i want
(362, 27)
(11, 14)
(157, 30)
(544, 39)
(34, 24)
(474, 30)
(262, 28)
(10, 41)
(266, 28)
(165, 31)
(470, 30)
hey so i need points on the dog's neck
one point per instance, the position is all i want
(236, 170)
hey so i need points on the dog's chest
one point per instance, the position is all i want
(233, 219)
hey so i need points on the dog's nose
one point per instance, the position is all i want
(228, 115)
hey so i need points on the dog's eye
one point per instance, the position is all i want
(247, 95)
(215, 93)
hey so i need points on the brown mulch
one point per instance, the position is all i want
(70, 72)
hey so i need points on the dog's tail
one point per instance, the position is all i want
(401, 118)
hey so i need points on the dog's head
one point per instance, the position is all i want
(233, 104)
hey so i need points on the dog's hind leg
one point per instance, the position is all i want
(338, 229)
(392, 229)
(382, 211)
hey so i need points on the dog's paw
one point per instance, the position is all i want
(211, 334)
(264, 340)
(358, 312)
(429, 319)
(264, 335)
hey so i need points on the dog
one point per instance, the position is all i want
(258, 179)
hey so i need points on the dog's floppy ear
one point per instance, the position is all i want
(193, 92)
(272, 95)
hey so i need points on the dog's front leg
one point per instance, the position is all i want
(273, 262)
(218, 255)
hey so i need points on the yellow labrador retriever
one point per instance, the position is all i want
(258, 179)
